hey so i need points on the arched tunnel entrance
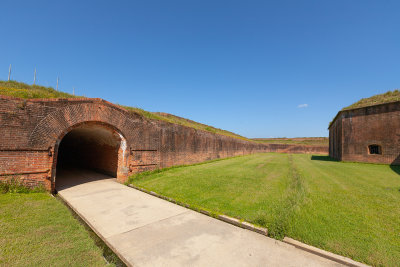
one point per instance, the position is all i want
(88, 152)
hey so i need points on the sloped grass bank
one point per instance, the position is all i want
(352, 209)
(26, 91)
(37, 229)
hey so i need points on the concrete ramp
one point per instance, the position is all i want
(147, 231)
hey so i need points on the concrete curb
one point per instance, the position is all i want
(323, 253)
(224, 218)
(122, 258)
(261, 230)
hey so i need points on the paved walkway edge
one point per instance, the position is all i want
(261, 230)
(122, 258)
(323, 253)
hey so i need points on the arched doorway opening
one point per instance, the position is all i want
(88, 152)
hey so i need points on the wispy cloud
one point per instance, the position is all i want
(302, 106)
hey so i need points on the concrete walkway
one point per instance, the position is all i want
(147, 231)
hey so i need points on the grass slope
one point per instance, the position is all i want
(23, 90)
(26, 91)
(38, 230)
(352, 209)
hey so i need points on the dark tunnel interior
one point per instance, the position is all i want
(90, 147)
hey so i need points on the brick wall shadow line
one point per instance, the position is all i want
(395, 165)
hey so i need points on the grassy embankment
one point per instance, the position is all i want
(26, 91)
(352, 209)
(37, 229)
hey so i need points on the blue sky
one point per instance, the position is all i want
(257, 68)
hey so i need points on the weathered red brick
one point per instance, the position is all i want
(352, 131)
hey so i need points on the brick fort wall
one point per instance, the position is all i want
(31, 132)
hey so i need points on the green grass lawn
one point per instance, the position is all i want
(38, 230)
(352, 209)
(308, 141)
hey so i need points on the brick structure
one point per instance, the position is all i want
(38, 136)
(367, 134)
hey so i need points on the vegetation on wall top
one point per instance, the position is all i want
(23, 90)
(390, 96)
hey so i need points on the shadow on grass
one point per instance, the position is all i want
(322, 158)
(395, 168)
(395, 165)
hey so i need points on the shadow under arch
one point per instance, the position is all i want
(88, 151)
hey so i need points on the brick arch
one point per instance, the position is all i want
(123, 152)
(49, 132)
(58, 123)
